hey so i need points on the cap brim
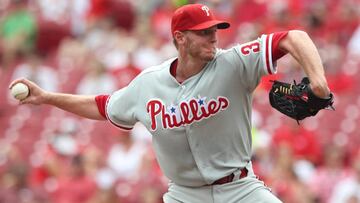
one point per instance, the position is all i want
(209, 24)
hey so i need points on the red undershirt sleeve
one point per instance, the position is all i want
(276, 52)
(101, 104)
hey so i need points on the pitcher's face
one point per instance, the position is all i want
(201, 44)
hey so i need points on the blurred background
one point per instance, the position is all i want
(98, 46)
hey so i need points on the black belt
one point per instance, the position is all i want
(230, 178)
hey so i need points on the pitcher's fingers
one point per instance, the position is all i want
(27, 100)
(22, 80)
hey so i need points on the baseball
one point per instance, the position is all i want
(20, 91)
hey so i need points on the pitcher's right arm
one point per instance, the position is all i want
(82, 105)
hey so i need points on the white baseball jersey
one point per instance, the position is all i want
(202, 127)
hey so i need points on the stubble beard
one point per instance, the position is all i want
(201, 54)
(208, 56)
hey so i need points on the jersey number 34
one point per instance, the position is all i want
(252, 47)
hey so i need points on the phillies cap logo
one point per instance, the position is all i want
(206, 9)
(195, 17)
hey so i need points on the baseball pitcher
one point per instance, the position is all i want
(197, 106)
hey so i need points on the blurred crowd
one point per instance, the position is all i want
(99, 46)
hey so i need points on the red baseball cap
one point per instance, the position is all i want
(195, 17)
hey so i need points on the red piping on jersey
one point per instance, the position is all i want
(101, 102)
(275, 51)
(173, 68)
(267, 54)
(119, 126)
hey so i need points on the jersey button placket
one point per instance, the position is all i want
(183, 87)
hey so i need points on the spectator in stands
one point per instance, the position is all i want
(108, 43)
(54, 11)
(353, 46)
(96, 80)
(150, 193)
(302, 142)
(124, 75)
(105, 196)
(97, 10)
(94, 159)
(147, 54)
(125, 156)
(283, 179)
(327, 175)
(4, 6)
(17, 32)
(152, 183)
(123, 14)
(12, 183)
(35, 68)
(348, 190)
(76, 186)
(147, 186)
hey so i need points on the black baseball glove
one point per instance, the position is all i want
(297, 100)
